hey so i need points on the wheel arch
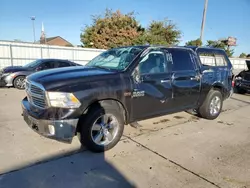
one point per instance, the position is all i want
(220, 87)
(16, 76)
(107, 102)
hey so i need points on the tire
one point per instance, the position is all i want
(87, 135)
(239, 90)
(214, 96)
(19, 82)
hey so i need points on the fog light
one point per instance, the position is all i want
(51, 129)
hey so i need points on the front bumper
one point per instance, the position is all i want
(2, 81)
(9, 81)
(61, 130)
(6, 81)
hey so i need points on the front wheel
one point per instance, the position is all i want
(19, 82)
(101, 129)
(211, 107)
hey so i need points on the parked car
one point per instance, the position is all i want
(242, 80)
(122, 86)
(15, 75)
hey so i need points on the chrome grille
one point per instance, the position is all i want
(36, 90)
(35, 94)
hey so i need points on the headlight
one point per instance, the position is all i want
(9, 74)
(5, 74)
(63, 100)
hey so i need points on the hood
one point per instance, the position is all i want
(12, 69)
(68, 76)
(248, 64)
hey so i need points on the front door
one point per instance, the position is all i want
(152, 90)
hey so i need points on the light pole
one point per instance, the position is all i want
(33, 25)
(203, 19)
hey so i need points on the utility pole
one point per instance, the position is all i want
(33, 25)
(203, 19)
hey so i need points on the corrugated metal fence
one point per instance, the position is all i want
(14, 53)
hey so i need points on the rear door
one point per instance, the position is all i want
(186, 78)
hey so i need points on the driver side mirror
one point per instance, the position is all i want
(136, 76)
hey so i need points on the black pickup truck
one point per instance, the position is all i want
(122, 86)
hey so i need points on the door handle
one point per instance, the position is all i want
(197, 78)
(164, 81)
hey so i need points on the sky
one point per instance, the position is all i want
(67, 18)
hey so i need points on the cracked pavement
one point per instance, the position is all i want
(178, 150)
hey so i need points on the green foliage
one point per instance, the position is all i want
(196, 42)
(163, 33)
(222, 45)
(115, 29)
(112, 30)
(243, 55)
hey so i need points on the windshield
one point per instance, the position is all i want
(32, 64)
(117, 58)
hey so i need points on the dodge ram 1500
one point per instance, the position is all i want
(122, 86)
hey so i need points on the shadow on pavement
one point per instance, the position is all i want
(79, 170)
(67, 170)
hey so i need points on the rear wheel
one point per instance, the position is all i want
(211, 107)
(19, 82)
(102, 128)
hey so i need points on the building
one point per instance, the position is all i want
(57, 40)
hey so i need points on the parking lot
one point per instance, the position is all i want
(178, 150)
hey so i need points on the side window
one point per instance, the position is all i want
(220, 60)
(182, 60)
(61, 64)
(154, 62)
(211, 59)
(46, 65)
(207, 59)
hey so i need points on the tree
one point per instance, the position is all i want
(163, 33)
(114, 29)
(243, 55)
(196, 42)
(221, 44)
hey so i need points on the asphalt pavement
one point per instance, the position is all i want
(178, 150)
